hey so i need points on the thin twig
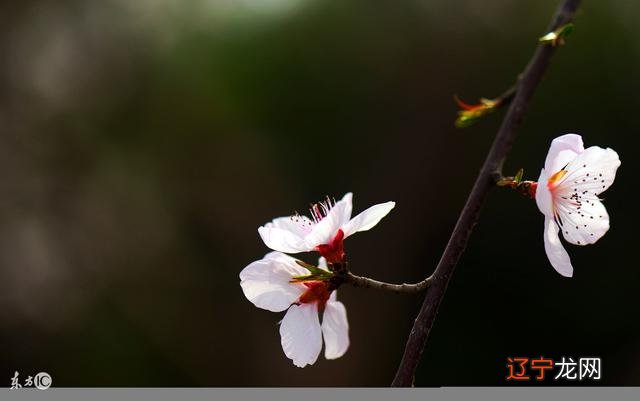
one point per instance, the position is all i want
(507, 96)
(342, 275)
(491, 170)
(366, 282)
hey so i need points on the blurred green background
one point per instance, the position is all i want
(143, 142)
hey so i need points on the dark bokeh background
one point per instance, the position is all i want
(143, 142)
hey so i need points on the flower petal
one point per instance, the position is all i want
(583, 217)
(335, 328)
(266, 282)
(544, 199)
(556, 253)
(585, 225)
(326, 229)
(562, 151)
(286, 234)
(594, 170)
(347, 199)
(368, 218)
(301, 335)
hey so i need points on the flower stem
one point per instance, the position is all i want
(491, 169)
(525, 187)
(365, 282)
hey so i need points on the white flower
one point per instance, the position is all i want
(567, 195)
(330, 223)
(268, 284)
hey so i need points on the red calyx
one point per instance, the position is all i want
(333, 252)
(317, 291)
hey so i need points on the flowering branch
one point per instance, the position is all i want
(490, 172)
(471, 113)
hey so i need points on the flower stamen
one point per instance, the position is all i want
(320, 210)
(553, 180)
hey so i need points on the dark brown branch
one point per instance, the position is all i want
(366, 282)
(491, 170)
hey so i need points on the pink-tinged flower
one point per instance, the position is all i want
(324, 232)
(567, 195)
(271, 284)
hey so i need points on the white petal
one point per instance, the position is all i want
(543, 195)
(556, 253)
(347, 199)
(368, 218)
(562, 151)
(594, 170)
(286, 234)
(322, 263)
(326, 229)
(335, 329)
(301, 335)
(582, 216)
(585, 225)
(266, 282)
(297, 224)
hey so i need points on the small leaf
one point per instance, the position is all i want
(469, 117)
(471, 113)
(558, 36)
(466, 119)
(317, 273)
(518, 177)
(305, 264)
(565, 30)
(311, 277)
(304, 277)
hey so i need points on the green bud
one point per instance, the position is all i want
(557, 37)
